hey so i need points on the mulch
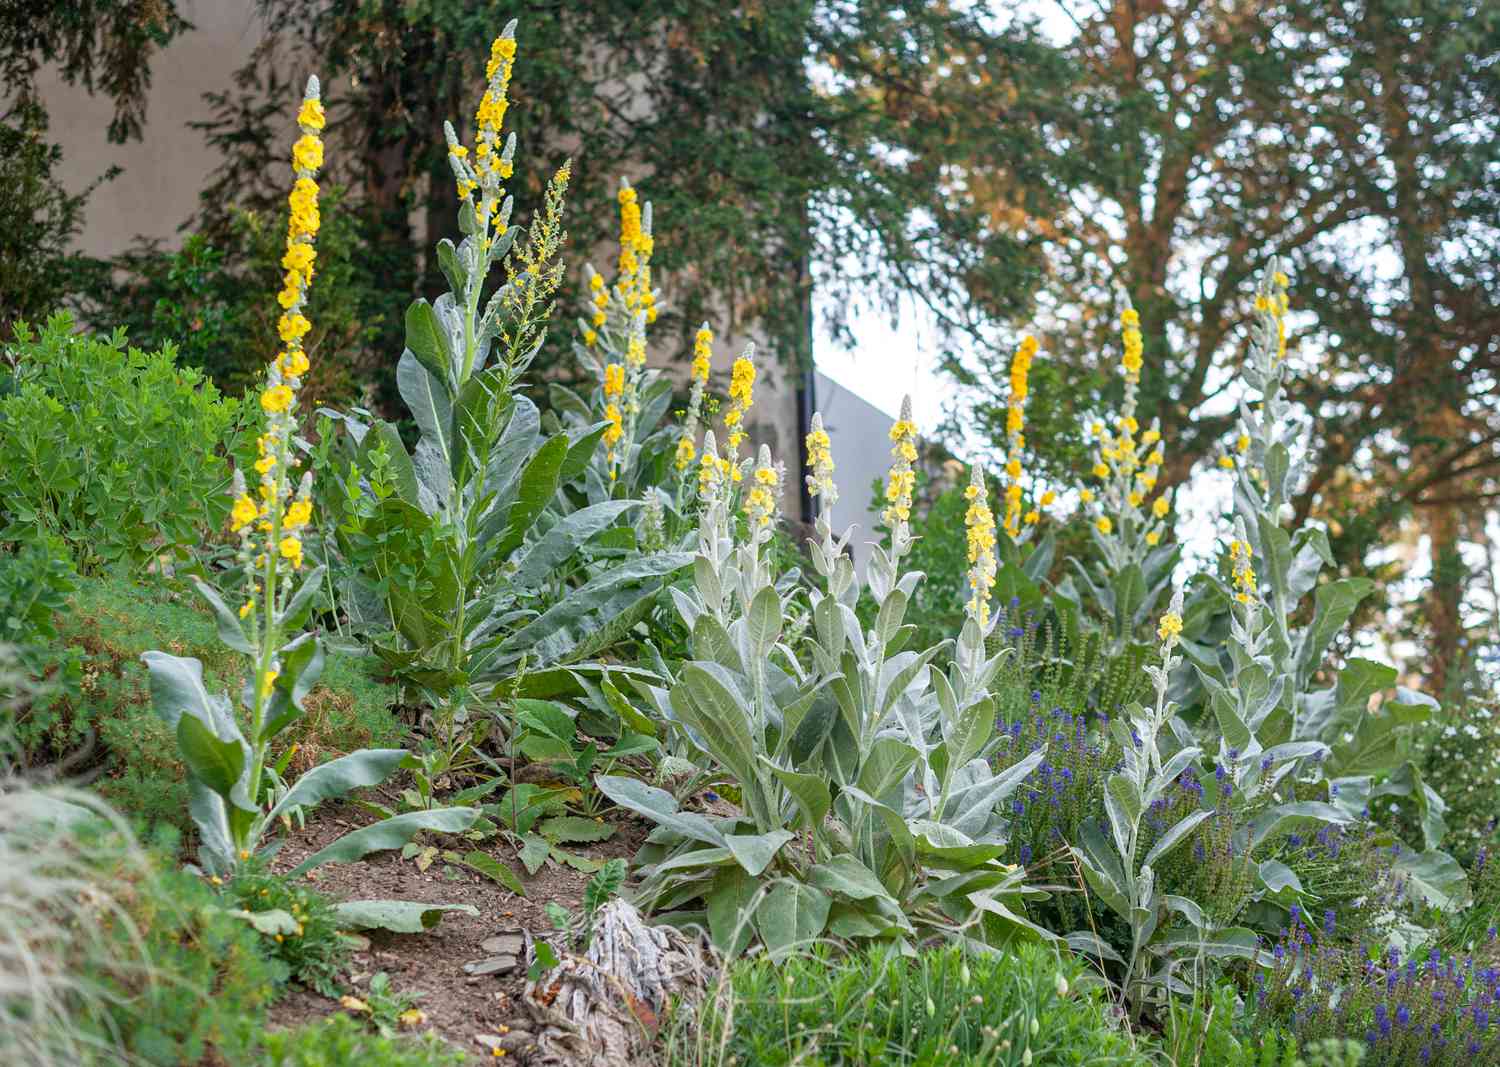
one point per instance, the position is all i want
(470, 1012)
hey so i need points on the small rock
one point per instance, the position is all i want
(502, 964)
(507, 944)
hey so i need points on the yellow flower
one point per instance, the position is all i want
(291, 550)
(589, 337)
(686, 450)
(1227, 462)
(1086, 495)
(243, 513)
(1150, 437)
(276, 399)
(820, 467)
(307, 153)
(1032, 517)
(311, 114)
(1101, 470)
(596, 282)
(292, 327)
(1048, 498)
(246, 608)
(1241, 443)
(298, 515)
(1013, 468)
(614, 379)
(293, 363)
(1171, 627)
(1159, 507)
(1104, 525)
(1153, 537)
(1134, 498)
(615, 430)
(1281, 279)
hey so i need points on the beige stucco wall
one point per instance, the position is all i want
(163, 171)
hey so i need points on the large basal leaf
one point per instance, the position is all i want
(791, 916)
(727, 901)
(358, 770)
(659, 806)
(847, 876)
(584, 611)
(426, 396)
(387, 834)
(397, 916)
(1436, 878)
(536, 562)
(754, 852)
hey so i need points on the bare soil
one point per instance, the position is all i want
(467, 1011)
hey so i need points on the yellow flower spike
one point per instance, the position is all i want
(765, 492)
(614, 379)
(902, 480)
(820, 483)
(979, 523)
(1170, 627)
(1015, 423)
(741, 398)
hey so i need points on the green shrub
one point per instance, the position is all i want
(110, 621)
(118, 451)
(877, 1007)
(34, 585)
(314, 951)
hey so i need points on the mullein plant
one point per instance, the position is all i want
(1132, 569)
(865, 809)
(468, 550)
(229, 756)
(1121, 857)
(1285, 741)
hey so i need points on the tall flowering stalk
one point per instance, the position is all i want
(687, 443)
(1126, 528)
(236, 797)
(1015, 440)
(979, 522)
(901, 481)
(270, 523)
(615, 335)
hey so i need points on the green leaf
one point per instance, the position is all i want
(493, 869)
(846, 875)
(1333, 604)
(763, 622)
(715, 708)
(659, 806)
(546, 718)
(358, 770)
(573, 829)
(538, 486)
(387, 834)
(1175, 835)
(397, 916)
(730, 927)
(270, 922)
(809, 791)
(216, 763)
(426, 340)
(536, 562)
(754, 852)
(231, 632)
(534, 852)
(1436, 878)
(791, 916)
(427, 398)
(886, 766)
